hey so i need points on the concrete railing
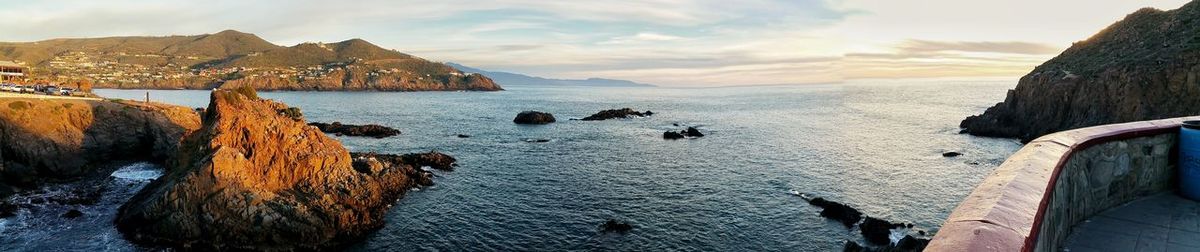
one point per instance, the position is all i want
(1033, 199)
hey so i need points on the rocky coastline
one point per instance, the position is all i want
(1141, 68)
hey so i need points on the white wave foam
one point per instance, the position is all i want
(138, 172)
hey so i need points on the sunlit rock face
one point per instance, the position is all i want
(1143, 67)
(254, 178)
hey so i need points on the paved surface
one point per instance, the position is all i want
(37, 96)
(1162, 222)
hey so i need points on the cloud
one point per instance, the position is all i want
(641, 37)
(925, 46)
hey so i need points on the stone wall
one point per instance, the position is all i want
(1030, 202)
(1104, 176)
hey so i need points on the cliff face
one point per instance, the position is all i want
(1143, 67)
(57, 139)
(362, 79)
(254, 178)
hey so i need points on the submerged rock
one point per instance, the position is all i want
(847, 215)
(8, 209)
(463, 136)
(369, 130)
(254, 179)
(672, 135)
(615, 226)
(951, 154)
(616, 113)
(533, 117)
(73, 213)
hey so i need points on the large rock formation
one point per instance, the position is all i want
(1144, 67)
(616, 113)
(369, 130)
(254, 178)
(533, 117)
(60, 139)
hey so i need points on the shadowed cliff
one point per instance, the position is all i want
(1143, 67)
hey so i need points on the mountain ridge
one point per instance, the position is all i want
(516, 79)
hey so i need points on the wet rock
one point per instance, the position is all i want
(8, 209)
(910, 243)
(369, 130)
(463, 136)
(847, 215)
(876, 231)
(672, 135)
(255, 179)
(951, 154)
(73, 213)
(436, 160)
(692, 132)
(615, 226)
(533, 117)
(616, 113)
(851, 246)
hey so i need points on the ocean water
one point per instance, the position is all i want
(874, 146)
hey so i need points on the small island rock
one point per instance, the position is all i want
(533, 117)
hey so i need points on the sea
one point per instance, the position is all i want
(876, 146)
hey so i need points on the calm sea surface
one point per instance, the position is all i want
(873, 146)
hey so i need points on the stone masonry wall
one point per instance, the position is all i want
(1104, 176)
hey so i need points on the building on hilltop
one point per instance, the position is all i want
(12, 72)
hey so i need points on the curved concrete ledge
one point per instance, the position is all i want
(1031, 201)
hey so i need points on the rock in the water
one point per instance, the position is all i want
(851, 246)
(1141, 68)
(951, 154)
(672, 135)
(463, 136)
(7, 209)
(254, 179)
(692, 132)
(369, 130)
(910, 243)
(615, 226)
(847, 215)
(616, 113)
(74, 213)
(876, 231)
(533, 117)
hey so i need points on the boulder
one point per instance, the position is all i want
(254, 179)
(533, 117)
(876, 231)
(671, 135)
(615, 226)
(847, 215)
(692, 132)
(369, 130)
(616, 113)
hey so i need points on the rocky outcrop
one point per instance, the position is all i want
(369, 130)
(690, 132)
(59, 139)
(875, 231)
(533, 117)
(1144, 67)
(254, 179)
(616, 113)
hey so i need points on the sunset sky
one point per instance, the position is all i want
(665, 42)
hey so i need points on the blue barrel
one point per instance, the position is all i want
(1189, 160)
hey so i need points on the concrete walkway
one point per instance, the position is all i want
(38, 96)
(1162, 222)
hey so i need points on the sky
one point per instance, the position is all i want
(664, 42)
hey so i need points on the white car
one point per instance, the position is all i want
(66, 91)
(5, 87)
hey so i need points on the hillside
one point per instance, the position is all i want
(515, 79)
(1140, 68)
(213, 60)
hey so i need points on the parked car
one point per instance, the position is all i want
(6, 87)
(50, 90)
(25, 89)
(66, 91)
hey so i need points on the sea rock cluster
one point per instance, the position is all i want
(1144, 67)
(616, 113)
(369, 130)
(533, 117)
(690, 132)
(253, 179)
(875, 231)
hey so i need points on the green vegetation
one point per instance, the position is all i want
(248, 91)
(292, 112)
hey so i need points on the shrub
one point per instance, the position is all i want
(248, 91)
(20, 105)
(292, 112)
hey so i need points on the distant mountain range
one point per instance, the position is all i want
(515, 79)
(235, 58)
